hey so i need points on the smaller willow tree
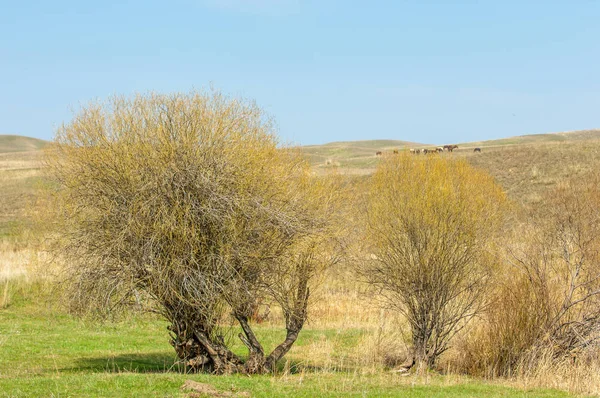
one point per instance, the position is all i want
(428, 225)
(186, 204)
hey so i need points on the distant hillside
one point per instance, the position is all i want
(353, 154)
(17, 143)
(525, 166)
(581, 135)
(527, 171)
(359, 157)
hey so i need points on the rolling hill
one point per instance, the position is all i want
(571, 136)
(526, 166)
(359, 157)
(361, 154)
(17, 143)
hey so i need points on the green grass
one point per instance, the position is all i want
(308, 385)
(44, 352)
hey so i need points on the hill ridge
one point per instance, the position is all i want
(10, 143)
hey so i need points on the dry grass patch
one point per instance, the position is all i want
(527, 171)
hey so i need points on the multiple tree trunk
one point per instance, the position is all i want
(203, 351)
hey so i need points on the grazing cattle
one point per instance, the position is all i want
(477, 150)
(412, 151)
(439, 149)
(378, 153)
(425, 151)
(395, 151)
(450, 148)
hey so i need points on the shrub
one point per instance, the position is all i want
(547, 300)
(429, 222)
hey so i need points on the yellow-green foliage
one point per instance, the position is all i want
(187, 200)
(439, 192)
(429, 222)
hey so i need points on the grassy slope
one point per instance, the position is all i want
(525, 166)
(581, 135)
(20, 178)
(353, 156)
(527, 171)
(17, 143)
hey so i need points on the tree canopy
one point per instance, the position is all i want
(187, 204)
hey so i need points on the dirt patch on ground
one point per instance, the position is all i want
(198, 390)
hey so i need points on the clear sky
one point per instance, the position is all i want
(329, 70)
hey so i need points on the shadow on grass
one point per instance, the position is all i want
(165, 362)
(153, 362)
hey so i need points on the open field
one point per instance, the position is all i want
(46, 352)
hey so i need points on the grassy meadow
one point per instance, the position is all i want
(44, 351)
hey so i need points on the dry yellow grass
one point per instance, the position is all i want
(20, 177)
(18, 267)
(527, 171)
(17, 143)
(20, 174)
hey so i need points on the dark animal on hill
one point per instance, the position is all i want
(477, 150)
(395, 151)
(378, 153)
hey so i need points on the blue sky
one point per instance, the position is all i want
(424, 71)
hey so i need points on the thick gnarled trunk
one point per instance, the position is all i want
(201, 353)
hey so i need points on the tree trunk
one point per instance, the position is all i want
(201, 354)
(255, 363)
(294, 322)
(421, 351)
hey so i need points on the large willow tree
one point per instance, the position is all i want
(186, 203)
